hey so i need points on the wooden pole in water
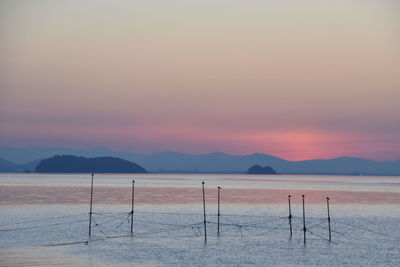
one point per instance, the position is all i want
(219, 214)
(204, 214)
(133, 204)
(329, 220)
(91, 204)
(304, 221)
(290, 216)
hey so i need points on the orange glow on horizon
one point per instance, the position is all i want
(286, 144)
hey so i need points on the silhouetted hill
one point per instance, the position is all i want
(257, 169)
(72, 164)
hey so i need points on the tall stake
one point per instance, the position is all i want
(219, 214)
(329, 220)
(204, 214)
(290, 216)
(133, 205)
(304, 220)
(91, 204)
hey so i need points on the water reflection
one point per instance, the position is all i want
(17, 195)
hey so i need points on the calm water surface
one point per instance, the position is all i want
(44, 220)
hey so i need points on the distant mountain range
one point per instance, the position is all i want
(26, 159)
(8, 166)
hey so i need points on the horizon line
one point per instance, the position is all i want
(192, 154)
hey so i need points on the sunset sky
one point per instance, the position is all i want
(295, 79)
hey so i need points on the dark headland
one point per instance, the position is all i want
(257, 169)
(73, 164)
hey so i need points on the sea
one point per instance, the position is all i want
(176, 220)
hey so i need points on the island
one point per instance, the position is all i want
(73, 164)
(257, 169)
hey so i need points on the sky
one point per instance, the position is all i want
(295, 79)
